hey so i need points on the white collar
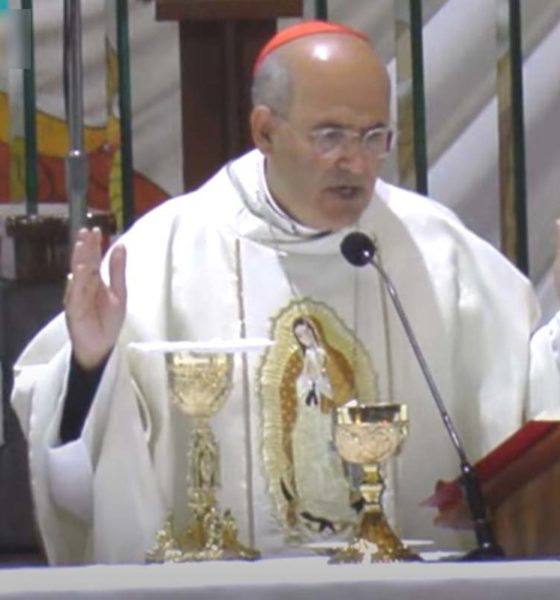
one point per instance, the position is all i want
(287, 222)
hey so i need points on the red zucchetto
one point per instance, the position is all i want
(301, 30)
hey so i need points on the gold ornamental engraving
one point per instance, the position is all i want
(199, 384)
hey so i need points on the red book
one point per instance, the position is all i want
(497, 462)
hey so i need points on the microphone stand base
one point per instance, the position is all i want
(485, 553)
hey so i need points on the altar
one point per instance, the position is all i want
(288, 578)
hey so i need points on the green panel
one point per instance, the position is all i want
(321, 10)
(30, 126)
(518, 130)
(125, 110)
(412, 143)
(418, 96)
(513, 194)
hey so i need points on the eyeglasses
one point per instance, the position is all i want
(332, 142)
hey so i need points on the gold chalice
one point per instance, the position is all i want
(368, 435)
(199, 381)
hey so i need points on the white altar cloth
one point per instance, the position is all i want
(288, 578)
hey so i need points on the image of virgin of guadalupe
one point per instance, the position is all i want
(318, 492)
(313, 386)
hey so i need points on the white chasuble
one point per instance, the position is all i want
(221, 264)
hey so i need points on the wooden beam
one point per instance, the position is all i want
(225, 10)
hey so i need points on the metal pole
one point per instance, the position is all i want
(76, 160)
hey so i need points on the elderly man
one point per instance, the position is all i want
(255, 253)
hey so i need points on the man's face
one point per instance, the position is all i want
(327, 190)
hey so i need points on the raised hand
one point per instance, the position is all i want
(94, 311)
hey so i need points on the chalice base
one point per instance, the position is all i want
(377, 541)
(209, 536)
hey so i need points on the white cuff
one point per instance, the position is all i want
(70, 479)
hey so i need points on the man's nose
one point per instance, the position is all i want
(354, 157)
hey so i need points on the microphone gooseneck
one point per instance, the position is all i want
(359, 250)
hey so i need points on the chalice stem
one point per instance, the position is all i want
(374, 527)
(204, 462)
(372, 488)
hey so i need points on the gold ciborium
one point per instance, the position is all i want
(199, 383)
(369, 435)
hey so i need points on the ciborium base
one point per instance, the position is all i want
(376, 541)
(209, 536)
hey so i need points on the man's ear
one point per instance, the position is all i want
(262, 126)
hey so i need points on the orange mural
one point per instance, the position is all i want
(102, 147)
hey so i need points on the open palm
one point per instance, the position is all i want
(95, 311)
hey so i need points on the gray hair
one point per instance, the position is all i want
(273, 84)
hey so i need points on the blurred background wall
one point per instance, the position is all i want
(461, 109)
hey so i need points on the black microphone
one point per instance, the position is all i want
(359, 250)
